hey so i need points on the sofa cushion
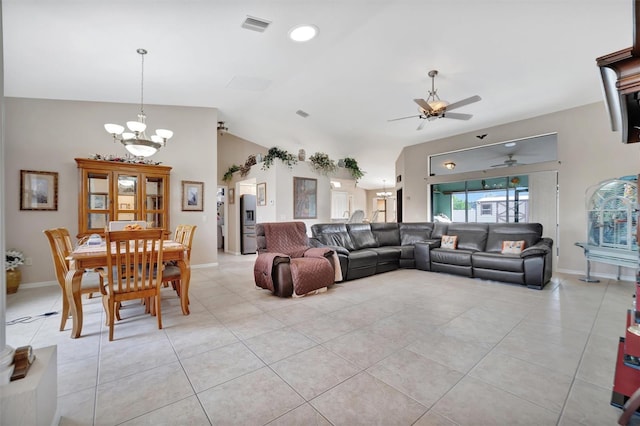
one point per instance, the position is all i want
(497, 261)
(387, 254)
(449, 242)
(499, 232)
(439, 229)
(451, 257)
(333, 234)
(471, 236)
(362, 259)
(386, 234)
(512, 247)
(411, 233)
(361, 235)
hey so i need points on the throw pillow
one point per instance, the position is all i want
(449, 241)
(512, 247)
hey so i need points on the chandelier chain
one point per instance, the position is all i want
(142, 84)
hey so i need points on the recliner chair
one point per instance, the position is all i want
(286, 264)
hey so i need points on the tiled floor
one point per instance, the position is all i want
(401, 348)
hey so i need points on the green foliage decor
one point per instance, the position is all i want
(246, 167)
(322, 163)
(273, 153)
(352, 165)
(228, 175)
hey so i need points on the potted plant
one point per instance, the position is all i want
(352, 165)
(273, 153)
(13, 259)
(322, 163)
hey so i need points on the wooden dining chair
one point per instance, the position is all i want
(134, 271)
(61, 246)
(184, 235)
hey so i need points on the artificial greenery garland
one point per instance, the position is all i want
(273, 153)
(322, 163)
(352, 165)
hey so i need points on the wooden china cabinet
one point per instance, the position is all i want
(110, 190)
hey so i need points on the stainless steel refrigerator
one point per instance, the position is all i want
(248, 242)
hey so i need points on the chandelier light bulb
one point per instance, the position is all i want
(164, 133)
(114, 129)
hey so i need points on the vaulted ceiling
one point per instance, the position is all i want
(370, 60)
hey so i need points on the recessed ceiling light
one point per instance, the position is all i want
(510, 144)
(303, 33)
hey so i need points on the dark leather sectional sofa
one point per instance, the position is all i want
(365, 249)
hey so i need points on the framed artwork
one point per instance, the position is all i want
(192, 196)
(38, 190)
(305, 198)
(232, 195)
(98, 201)
(261, 194)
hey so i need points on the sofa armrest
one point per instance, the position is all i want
(325, 252)
(541, 248)
(314, 242)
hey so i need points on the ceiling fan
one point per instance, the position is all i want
(509, 162)
(433, 107)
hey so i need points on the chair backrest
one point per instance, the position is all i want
(289, 238)
(184, 235)
(356, 217)
(61, 246)
(124, 225)
(133, 263)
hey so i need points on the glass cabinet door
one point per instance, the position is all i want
(127, 194)
(97, 200)
(154, 204)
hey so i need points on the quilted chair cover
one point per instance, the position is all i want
(286, 264)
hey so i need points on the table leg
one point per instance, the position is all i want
(73, 281)
(185, 277)
(588, 278)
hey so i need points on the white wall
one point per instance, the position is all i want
(588, 152)
(47, 135)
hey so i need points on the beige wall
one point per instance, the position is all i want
(47, 135)
(235, 150)
(588, 152)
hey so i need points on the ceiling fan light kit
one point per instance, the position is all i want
(433, 107)
(449, 165)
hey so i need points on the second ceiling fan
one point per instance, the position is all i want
(433, 107)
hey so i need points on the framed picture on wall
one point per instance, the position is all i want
(305, 198)
(261, 193)
(38, 190)
(192, 196)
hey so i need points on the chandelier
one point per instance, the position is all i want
(136, 141)
(384, 193)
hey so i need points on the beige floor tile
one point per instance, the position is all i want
(236, 311)
(598, 364)
(488, 332)
(134, 359)
(473, 402)
(458, 354)
(185, 412)
(198, 337)
(418, 377)
(304, 415)
(324, 328)
(544, 387)
(363, 348)
(253, 399)
(77, 375)
(248, 327)
(293, 314)
(314, 371)
(589, 405)
(137, 394)
(217, 366)
(276, 345)
(434, 419)
(77, 408)
(365, 400)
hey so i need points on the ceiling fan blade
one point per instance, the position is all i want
(423, 104)
(457, 115)
(404, 118)
(421, 125)
(464, 102)
(500, 165)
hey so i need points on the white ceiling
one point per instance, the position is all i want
(523, 57)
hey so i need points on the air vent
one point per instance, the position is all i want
(255, 24)
(302, 114)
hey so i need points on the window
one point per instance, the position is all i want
(496, 200)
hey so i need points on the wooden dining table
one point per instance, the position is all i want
(88, 257)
